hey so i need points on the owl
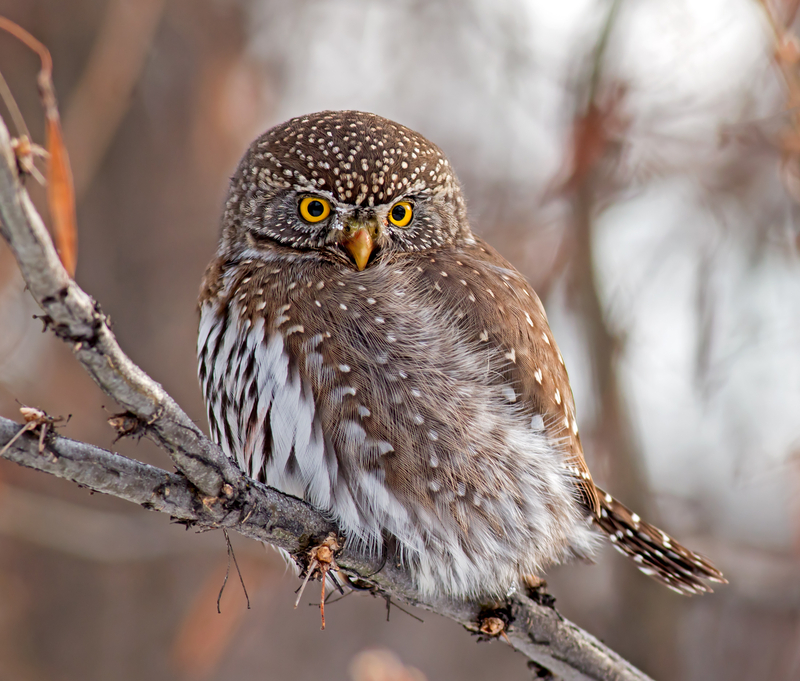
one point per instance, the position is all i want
(360, 348)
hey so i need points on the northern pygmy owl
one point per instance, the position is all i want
(362, 349)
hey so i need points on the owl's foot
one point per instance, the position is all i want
(320, 561)
(532, 582)
(536, 589)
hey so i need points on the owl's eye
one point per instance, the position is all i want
(401, 213)
(314, 209)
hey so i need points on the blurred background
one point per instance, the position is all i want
(637, 161)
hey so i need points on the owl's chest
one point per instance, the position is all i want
(385, 333)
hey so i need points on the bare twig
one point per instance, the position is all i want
(60, 191)
(214, 493)
(787, 59)
(231, 554)
(273, 517)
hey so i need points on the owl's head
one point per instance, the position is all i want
(350, 186)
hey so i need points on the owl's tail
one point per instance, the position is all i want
(656, 553)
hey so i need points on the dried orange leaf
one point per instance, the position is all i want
(61, 197)
(60, 189)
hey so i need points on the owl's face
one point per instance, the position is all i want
(346, 186)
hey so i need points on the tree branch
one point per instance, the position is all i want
(210, 491)
(77, 319)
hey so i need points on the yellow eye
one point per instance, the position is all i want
(401, 213)
(314, 209)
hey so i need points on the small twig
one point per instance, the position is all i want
(390, 603)
(335, 600)
(13, 108)
(321, 559)
(26, 153)
(60, 188)
(26, 428)
(312, 566)
(34, 418)
(231, 554)
(322, 600)
(224, 583)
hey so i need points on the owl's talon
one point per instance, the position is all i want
(536, 589)
(533, 582)
(321, 561)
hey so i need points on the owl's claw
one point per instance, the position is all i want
(533, 582)
(321, 559)
(536, 590)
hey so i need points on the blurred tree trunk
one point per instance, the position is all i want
(645, 623)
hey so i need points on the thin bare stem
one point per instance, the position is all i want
(11, 105)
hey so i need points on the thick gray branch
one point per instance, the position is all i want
(271, 516)
(211, 491)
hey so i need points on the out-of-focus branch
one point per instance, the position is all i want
(593, 143)
(597, 126)
(103, 93)
(214, 493)
(787, 59)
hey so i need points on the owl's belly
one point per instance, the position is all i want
(414, 437)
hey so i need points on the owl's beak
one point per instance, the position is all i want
(360, 246)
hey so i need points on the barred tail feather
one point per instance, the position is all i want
(656, 553)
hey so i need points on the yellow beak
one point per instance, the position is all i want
(360, 246)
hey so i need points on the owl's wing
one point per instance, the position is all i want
(507, 315)
(514, 319)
